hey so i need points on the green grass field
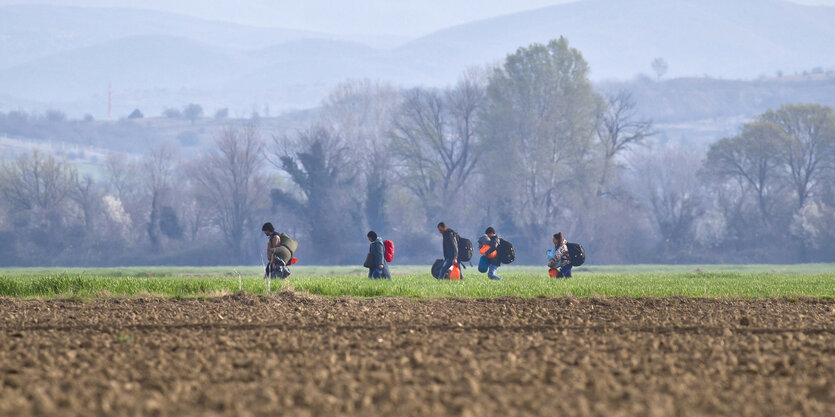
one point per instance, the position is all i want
(750, 281)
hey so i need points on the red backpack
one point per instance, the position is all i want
(389, 246)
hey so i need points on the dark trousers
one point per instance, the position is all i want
(565, 271)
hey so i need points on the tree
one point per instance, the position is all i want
(221, 114)
(751, 159)
(362, 112)
(88, 198)
(35, 182)
(618, 129)
(192, 112)
(36, 192)
(538, 127)
(665, 181)
(320, 170)
(172, 113)
(169, 224)
(436, 140)
(158, 170)
(227, 180)
(122, 175)
(136, 114)
(659, 67)
(809, 150)
(56, 116)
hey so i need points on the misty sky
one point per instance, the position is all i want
(375, 17)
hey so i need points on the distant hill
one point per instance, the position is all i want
(141, 62)
(52, 56)
(28, 32)
(619, 38)
(699, 111)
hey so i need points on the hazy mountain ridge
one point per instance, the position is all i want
(742, 38)
(35, 31)
(73, 53)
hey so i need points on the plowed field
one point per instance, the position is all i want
(290, 354)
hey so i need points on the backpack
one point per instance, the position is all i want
(389, 250)
(436, 268)
(465, 250)
(576, 254)
(507, 254)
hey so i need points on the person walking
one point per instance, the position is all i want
(560, 262)
(273, 242)
(450, 250)
(379, 268)
(492, 241)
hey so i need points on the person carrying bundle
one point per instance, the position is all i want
(376, 261)
(280, 249)
(564, 256)
(450, 269)
(489, 249)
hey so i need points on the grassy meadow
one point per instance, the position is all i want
(749, 281)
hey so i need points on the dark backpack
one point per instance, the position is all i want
(576, 254)
(506, 252)
(465, 249)
(436, 268)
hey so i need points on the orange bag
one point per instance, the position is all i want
(455, 274)
(484, 250)
(553, 273)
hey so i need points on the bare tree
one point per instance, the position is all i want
(122, 176)
(751, 159)
(37, 183)
(809, 149)
(362, 112)
(228, 180)
(35, 191)
(88, 198)
(665, 181)
(619, 129)
(158, 168)
(436, 140)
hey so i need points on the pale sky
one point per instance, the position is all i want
(376, 17)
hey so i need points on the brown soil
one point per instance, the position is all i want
(295, 355)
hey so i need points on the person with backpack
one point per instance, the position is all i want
(274, 241)
(560, 261)
(491, 240)
(378, 268)
(280, 250)
(450, 251)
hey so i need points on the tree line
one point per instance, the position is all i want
(527, 146)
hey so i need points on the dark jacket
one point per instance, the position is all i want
(450, 244)
(494, 246)
(377, 251)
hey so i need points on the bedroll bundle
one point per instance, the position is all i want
(286, 249)
(454, 273)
